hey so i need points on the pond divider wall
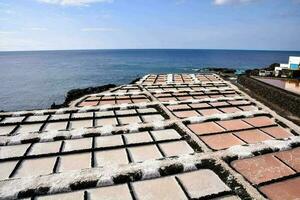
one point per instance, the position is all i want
(282, 98)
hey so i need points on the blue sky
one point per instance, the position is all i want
(113, 24)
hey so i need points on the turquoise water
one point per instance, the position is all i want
(37, 79)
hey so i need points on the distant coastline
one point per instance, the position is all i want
(151, 49)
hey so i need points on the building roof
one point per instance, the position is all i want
(169, 136)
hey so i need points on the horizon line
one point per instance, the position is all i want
(89, 49)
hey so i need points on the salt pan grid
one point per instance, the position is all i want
(202, 183)
(172, 136)
(276, 175)
(87, 152)
(76, 119)
(127, 89)
(178, 78)
(114, 99)
(196, 87)
(200, 94)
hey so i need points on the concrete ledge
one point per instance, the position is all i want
(284, 99)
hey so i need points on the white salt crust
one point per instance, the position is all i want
(60, 182)
(83, 109)
(224, 116)
(169, 78)
(19, 113)
(143, 79)
(64, 110)
(111, 92)
(194, 78)
(106, 107)
(104, 176)
(108, 129)
(145, 104)
(79, 133)
(120, 93)
(172, 102)
(124, 106)
(11, 120)
(41, 112)
(247, 151)
(158, 91)
(202, 83)
(133, 127)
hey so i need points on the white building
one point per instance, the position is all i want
(265, 73)
(294, 63)
(284, 66)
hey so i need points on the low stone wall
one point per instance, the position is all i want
(282, 98)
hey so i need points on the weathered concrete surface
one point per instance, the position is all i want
(282, 101)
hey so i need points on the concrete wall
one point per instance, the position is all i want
(286, 100)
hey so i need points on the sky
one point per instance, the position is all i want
(143, 24)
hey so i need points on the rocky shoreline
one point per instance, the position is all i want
(218, 70)
(77, 93)
(80, 92)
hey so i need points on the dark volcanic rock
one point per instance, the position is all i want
(255, 72)
(135, 80)
(220, 69)
(77, 93)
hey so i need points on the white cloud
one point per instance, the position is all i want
(99, 29)
(75, 2)
(227, 2)
(179, 2)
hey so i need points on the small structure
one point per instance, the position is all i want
(278, 70)
(292, 69)
(265, 73)
(294, 63)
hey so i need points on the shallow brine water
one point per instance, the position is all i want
(289, 85)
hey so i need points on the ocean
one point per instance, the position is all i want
(36, 79)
